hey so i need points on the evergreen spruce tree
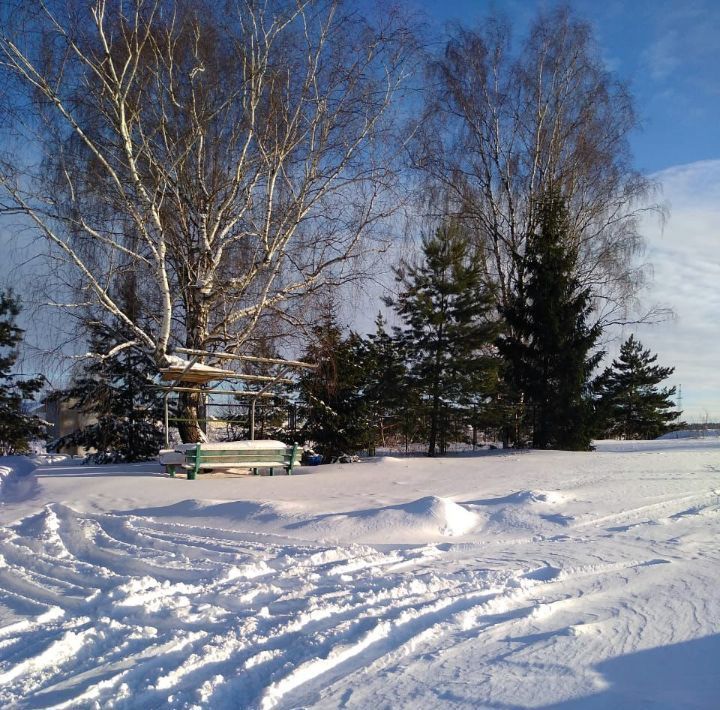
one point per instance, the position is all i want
(548, 340)
(335, 414)
(384, 390)
(120, 393)
(118, 390)
(448, 330)
(17, 428)
(630, 404)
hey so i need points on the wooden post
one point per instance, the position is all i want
(167, 421)
(252, 418)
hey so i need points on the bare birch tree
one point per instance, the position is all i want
(504, 127)
(234, 156)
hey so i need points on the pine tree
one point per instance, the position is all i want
(16, 427)
(120, 393)
(548, 339)
(630, 404)
(335, 415)
(449, 327)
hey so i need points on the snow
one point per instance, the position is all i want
(691, 434)
(182, 365)
(256, 444)
(504, 579)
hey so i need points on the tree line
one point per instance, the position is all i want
(208, 177)
(440, 378)
(458, 366)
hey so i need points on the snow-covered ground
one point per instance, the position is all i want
(532, 579)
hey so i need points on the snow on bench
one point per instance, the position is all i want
(265, 453)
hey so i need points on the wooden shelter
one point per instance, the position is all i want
(193, 376)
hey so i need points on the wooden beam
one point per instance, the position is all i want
(236, 393)
(199, 376)
(248, 358)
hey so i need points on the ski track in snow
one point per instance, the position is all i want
(125, 610)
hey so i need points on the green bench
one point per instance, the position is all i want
(232, 454)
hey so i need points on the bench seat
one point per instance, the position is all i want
(267, 453)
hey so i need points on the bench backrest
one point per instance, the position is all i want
(262, 456)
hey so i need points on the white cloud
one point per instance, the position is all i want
(686, 260)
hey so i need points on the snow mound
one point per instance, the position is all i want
(449, 517)
(414, 522)
(256, 513)
(15, 468)
(524, 512)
